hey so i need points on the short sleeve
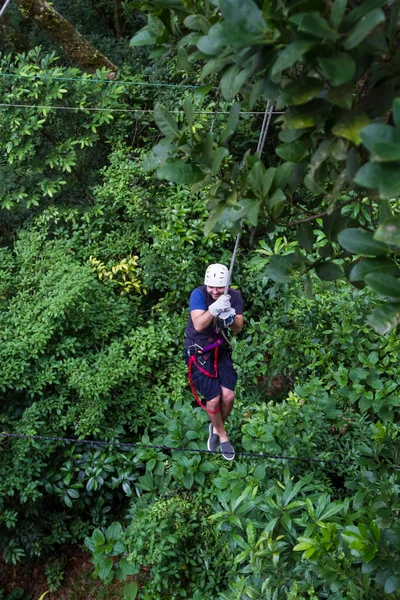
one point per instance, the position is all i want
(237, 301)
(197, 300)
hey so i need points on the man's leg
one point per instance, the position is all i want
(227, 398)
(217, 418)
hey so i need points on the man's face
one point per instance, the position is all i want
(215, 292)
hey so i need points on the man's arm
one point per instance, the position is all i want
(201, 319)
(237, 324)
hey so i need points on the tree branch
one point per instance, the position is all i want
(319, 215)
(63, 32)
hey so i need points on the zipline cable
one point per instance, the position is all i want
(128, 110)
(253, 455)
(90, 80)
(4, 7)
(269, 111)
(267, 121)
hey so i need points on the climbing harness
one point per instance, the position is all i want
(195, 353)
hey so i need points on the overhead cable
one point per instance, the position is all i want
(91, 80)
(128, 110)
(254, 455)
(4, 7)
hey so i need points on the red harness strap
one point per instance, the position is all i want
(192, 361)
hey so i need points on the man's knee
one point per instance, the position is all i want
(214, 403)
(228, 396)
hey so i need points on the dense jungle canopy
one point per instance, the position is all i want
(136, 140)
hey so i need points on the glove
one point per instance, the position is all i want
(220, 305)
(226, 318)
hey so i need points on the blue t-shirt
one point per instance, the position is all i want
(201, 300)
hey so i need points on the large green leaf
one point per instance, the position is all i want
(244, 13)
(358, 241)
(105, 566)
(130, 590)
(387, 285)
(301, 91)
(392, 584)
(305, 236)
(388, 232)
(151, 34)
(113, 532)
(371, 265)
(166, 122)
(210, 44)
(364, 27)
(361, 9)
(260, 180)
(183, 63)
(197, 22)
(339, 69)
(292, 53)
(282, 175)
(180, 172)
(382, 141)
(98, 537)
(305, 116)
(315, 24)
(342, 95)
(232, 81)
(382, 176)
(279, 268)
(218, 156)
(233, 120)
(350, 126)
(127, 567)
(294, 151)
(385, 317)
(143, 38)
(249, 210)
(329, 271)
(158, 155)
(223, 34)
(213, 218)
(276, 202)
(338, 8)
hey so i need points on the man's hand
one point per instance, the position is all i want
(223, 304)
(225, 318)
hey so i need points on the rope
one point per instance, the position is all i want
(192, 361)
(259, 456)
(265, 127)
(128, 110)
(235, 249)
(4, 7)
(269, 111)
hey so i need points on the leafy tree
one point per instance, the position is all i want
(332, 69)
(47, 151)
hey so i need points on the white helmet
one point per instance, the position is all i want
(216, 276)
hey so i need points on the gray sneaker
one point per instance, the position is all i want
(227, 450)
(213, 440)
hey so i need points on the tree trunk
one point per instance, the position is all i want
(119, 19)
(75, 45)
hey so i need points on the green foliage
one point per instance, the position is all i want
(81, 360)
(329, 69)
(47, 152)
(54, 571)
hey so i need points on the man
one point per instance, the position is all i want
(212, 313)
